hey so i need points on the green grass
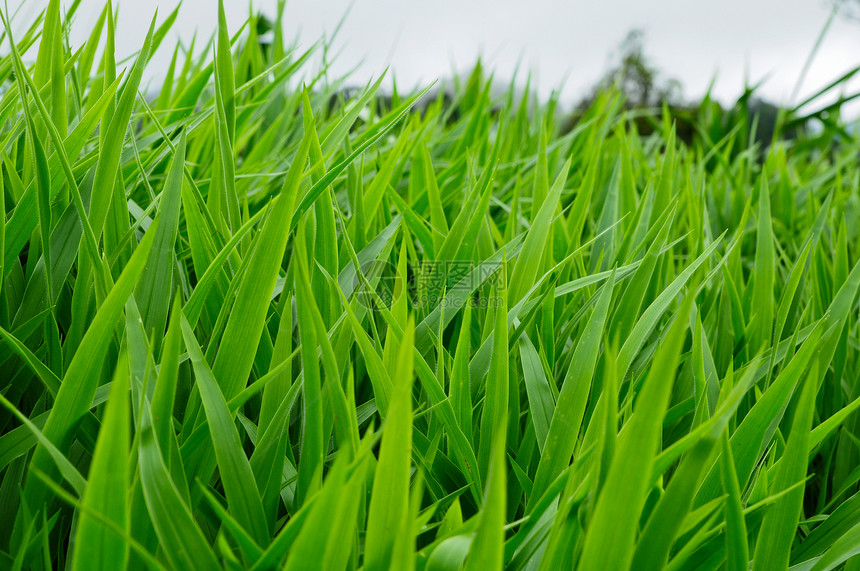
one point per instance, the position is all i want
(247, 324)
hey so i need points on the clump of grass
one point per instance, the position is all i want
(249, 325)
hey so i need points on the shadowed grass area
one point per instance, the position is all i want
(249, 322)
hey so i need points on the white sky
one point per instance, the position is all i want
(690, 40)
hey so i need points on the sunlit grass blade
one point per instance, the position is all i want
(572, 398)
(82, 375)
(183, 542)
(153, 292)
(487, 549)
(389, 499)
(610, 537)
(241, 489)
(773, 545)
(108, 485)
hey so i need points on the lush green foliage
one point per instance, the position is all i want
(247, 324)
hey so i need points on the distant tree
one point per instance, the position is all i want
(847, 8)
(651, 95)
(636, 77)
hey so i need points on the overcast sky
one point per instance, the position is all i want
(571, 42)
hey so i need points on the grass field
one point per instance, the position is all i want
(247, 324)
